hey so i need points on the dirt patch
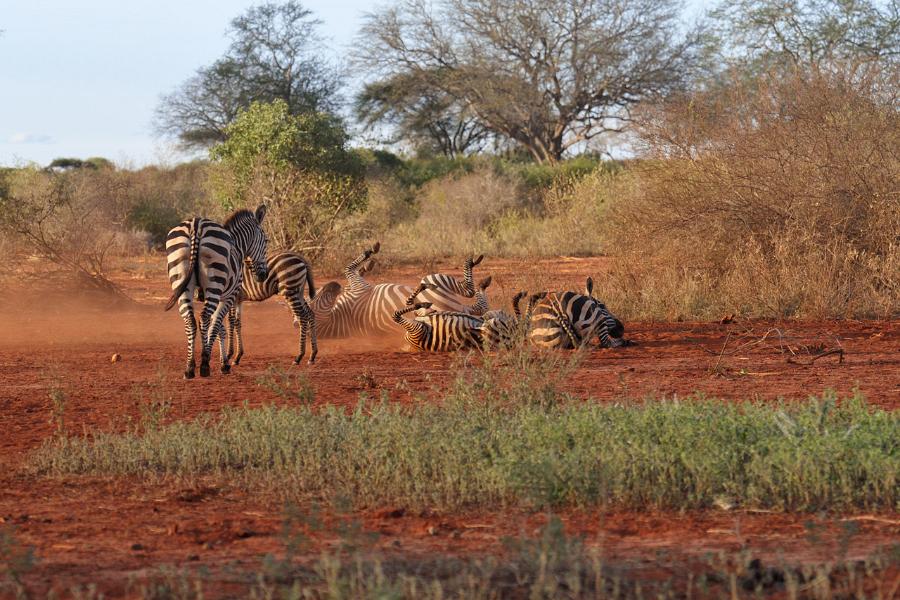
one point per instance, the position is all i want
(65, 347)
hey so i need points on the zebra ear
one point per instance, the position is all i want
(260, 213)
(589, 287)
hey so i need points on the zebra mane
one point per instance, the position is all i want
(237, 216)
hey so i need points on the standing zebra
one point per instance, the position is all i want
(571, 320)
(205, 256)
(363, 309)
(439, 331)
(288, 274)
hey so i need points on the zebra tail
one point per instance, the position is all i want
(309, 282)
(192, 266)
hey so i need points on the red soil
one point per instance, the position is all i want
(86, 530)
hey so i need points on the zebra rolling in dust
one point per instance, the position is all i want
(363, 309)
(570, 320)
(207, 257)
(439, 331)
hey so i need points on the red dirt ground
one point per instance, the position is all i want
(47, 344)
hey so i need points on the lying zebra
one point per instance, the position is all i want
(499, 329)
(363, 309)
(439, 331)
(571, 320)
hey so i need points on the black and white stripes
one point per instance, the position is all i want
(207, 257)
(571, 320)
(289, 275)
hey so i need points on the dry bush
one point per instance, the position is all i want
(484, 211)
(305, 205)
(776, 198)
(71, 219)
(454, 214)
(567, 223)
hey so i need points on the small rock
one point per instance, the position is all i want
(137, 547)
(432, 530)
(115, 358)
(193, 557)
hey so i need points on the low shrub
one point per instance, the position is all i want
(487, 447)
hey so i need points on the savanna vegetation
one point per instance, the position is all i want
(757, 168)
(504, 434)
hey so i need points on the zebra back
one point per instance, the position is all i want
(287, 272)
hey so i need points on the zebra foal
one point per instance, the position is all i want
(206, 257)
(289, 274)
(439, 331)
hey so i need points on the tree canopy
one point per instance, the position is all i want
(763, 34)
(545, 74)
(274, 54)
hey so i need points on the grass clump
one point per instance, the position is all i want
(483, 448)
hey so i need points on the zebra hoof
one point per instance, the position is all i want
(312, 359)
(226, 369)
(298, 359)
(204, 370)
(189, 374)
(236, 361)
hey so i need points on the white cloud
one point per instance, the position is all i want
(29, 138)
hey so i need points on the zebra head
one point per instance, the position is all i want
(250, 239)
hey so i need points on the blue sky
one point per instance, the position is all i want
(82, 78)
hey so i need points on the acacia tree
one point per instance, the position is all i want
(765, 34)
(546, 74)
(423, 115)
(274, 54)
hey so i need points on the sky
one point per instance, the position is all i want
(82, 78)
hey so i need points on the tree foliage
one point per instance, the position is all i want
(274, 54)
(766, 34)
(422, 115)
(546, 74)
(298, 164)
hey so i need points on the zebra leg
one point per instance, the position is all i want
(412, 297)
(418, 334)
(237, 335)
(186, 309)
(304, 315)
(294, 298)
(311, 321)
(468, 281)
(206, 339)
(218, 332)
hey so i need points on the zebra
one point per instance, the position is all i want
(288, 275)
(501, 330)
(436, 286)
(570, 320)
(363, 309)
(205, 256)
(439, 331)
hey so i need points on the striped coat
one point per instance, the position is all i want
(363, 309)
(207, 258)
(289, 275)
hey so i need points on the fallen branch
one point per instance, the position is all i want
(838, 351)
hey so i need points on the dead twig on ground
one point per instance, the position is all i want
(836, 351)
